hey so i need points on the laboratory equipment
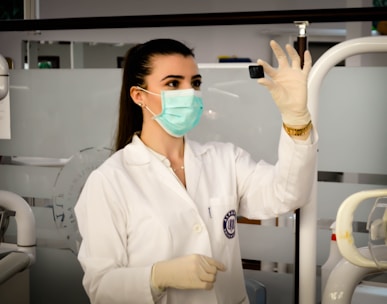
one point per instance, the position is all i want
(308, 213)
(25, 223)
(16, 258)
(333, 258)
(358, 262)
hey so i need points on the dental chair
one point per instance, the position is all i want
(357, 263)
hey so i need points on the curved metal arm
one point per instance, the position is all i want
(25, 221)
(308, 213)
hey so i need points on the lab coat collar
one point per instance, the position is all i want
(137, 154)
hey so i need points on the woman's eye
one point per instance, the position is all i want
(196, 84)
(173, 84)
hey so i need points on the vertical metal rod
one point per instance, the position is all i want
(301, 48)
(302, 44)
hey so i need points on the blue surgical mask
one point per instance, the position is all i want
(181, 110)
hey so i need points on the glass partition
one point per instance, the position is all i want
(72, 54)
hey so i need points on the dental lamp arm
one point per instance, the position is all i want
(25, 221)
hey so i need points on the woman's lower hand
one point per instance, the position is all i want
(188, 272)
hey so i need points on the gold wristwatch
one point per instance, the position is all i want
(298, 132)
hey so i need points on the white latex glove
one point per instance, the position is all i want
(288, 84)
(188, 272)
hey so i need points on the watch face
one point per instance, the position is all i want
(67, 188)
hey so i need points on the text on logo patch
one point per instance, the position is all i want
(229, 222)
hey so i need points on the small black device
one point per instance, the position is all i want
(256, 71)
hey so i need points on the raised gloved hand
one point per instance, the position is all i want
(188, 272)
(288, 84)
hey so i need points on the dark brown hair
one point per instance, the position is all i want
(137, 65)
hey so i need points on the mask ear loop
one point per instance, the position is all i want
(140, 104)
(145, 106)
(149, 92)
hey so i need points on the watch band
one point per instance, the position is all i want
(298, 132)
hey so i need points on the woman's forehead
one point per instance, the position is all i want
(174, 64)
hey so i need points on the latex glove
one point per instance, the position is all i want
(288, 84)
(188, 272)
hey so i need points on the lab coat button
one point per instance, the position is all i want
(197, 228)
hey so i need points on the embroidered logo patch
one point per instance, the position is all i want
(229, 222)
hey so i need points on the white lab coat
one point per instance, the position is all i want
(133, 212)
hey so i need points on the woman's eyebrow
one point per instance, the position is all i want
(173, 76)
(180, 77)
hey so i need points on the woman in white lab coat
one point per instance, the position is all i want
(158, 218)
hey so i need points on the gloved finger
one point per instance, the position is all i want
(206, 277)
(307, 62)
(279, 54)
(206, 266)
(207, 285)
(296, 60)
(206, 272)
(270, 71)
(214, 263)
(267, 68)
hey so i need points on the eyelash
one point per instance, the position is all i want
(196, 83)
(175, 83)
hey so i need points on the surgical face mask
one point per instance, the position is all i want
(181, 110)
